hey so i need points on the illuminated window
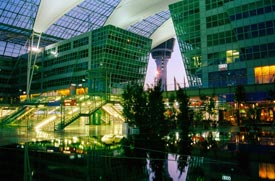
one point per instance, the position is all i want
(264, 74)
(232, 56)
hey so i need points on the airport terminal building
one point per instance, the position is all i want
(103, 60)
(226, 42)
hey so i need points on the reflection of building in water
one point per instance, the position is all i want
(267, 171)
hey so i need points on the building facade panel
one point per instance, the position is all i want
(235, 41)
(99, 60)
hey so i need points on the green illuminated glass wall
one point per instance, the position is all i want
(106, 58)
(222, 41)
(186, 18)
(7, 81)
(117, 58)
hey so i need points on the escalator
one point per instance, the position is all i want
(68, 112)
(9, 119)
(24, 119)
(80, 113)
(47, 121)
(114, 110)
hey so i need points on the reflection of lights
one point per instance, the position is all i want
(118, 129)
(46, 121)
(243, 138)
(177, 135)
(74, 110)
(267, 171)
(52, 111)
(75, 139)
(237, 139)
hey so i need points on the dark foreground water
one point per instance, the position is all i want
(78, 154)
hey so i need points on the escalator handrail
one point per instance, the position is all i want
(14, 115)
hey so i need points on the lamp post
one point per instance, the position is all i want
(110, 85)
(32, 57)
(108, 88)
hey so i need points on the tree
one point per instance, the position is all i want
(134, 105)
(183, 117)
(184, 125)
(209, 104)
(156, 119)
(240, 97)
(128, 103)
(146, 110)
(211, 107)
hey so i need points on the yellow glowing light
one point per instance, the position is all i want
(46, 121)
(267, 171)
(34, 49)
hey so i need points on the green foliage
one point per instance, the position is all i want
(211, 106)
(183, 116)
(198, 116)
(240, 94)
(203, 97)
(134, 104)
(271, 93)
(156, 119)
(184, 124)
(145, 109)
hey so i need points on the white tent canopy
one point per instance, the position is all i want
(130, 12)
(126, 14)
(50, 11)
(163, 33)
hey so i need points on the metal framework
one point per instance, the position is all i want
(17, 19)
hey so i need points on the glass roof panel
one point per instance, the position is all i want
(17, 18)
(16, 22)
(148, 26)
(86, 16)
(20, 13)
(11, 49)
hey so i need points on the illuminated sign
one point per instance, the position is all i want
(226, 177)
(53, 103)
(222, 67)
(70, 102)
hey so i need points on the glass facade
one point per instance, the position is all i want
(102, 59)
(6, 78)
(118, 57)
(265, 74)
(186, 18)
(236, 35)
